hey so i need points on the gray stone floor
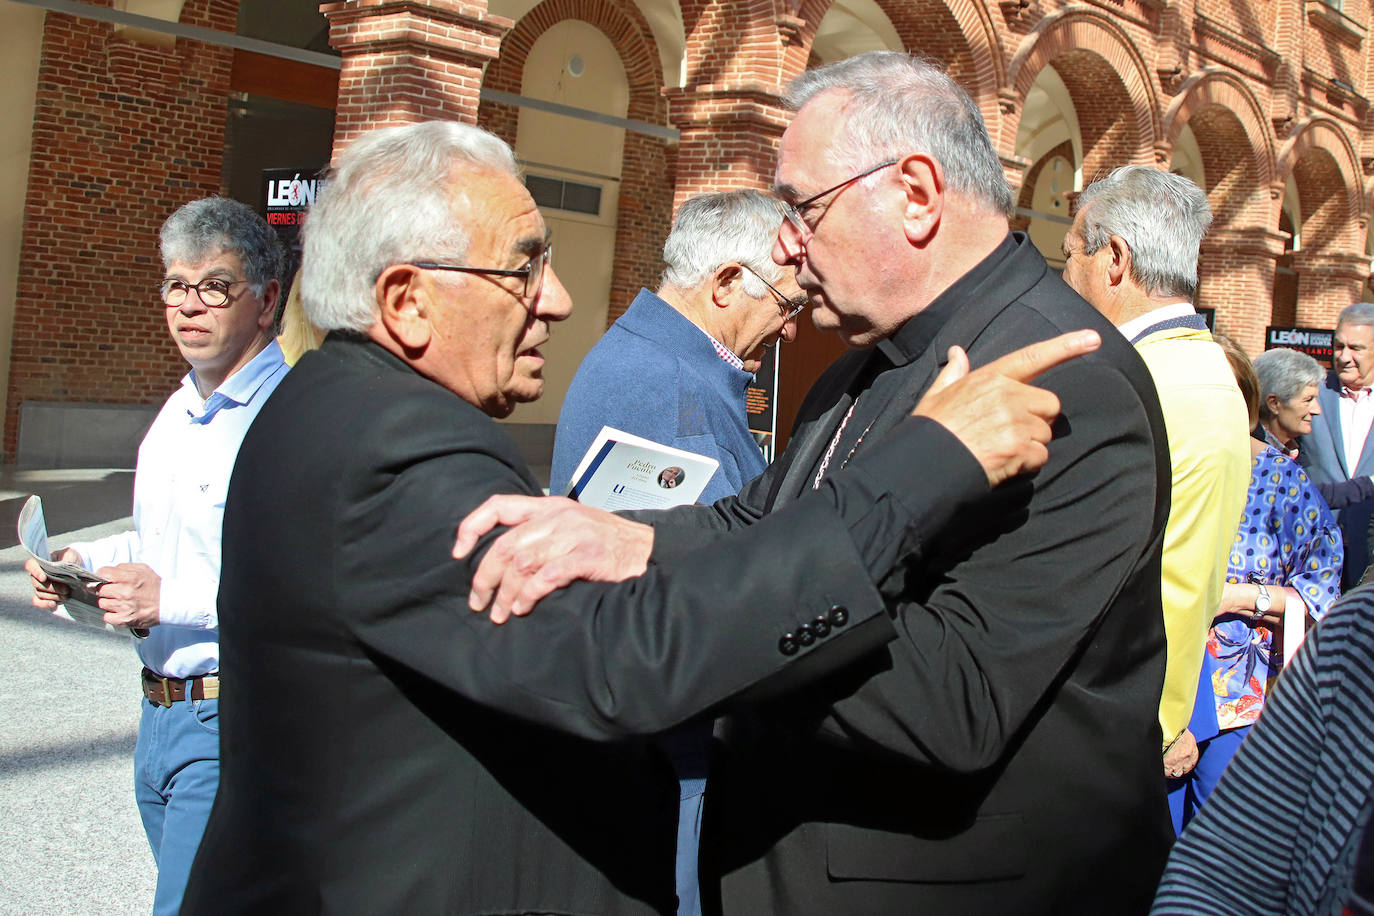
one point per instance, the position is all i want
(70, 837)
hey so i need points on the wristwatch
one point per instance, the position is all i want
(1262, 603)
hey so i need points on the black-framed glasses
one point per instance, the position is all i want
(532, 273)
(788, 308)
(213, 292)
(796, 213)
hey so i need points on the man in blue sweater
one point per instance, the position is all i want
(674, 369)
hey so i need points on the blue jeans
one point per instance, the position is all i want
(176, 773)
(688, 748)
(1187, 794)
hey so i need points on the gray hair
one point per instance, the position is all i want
(1358, 313)
(899, 103)
(1285, 373)
(204, 228)
(390, 200)
(1162, 217)
(715, 229)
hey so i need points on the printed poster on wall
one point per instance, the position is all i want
(1315, 342)
(286, 196)
(761, 404)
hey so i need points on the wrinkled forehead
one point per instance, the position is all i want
(809, 146)
(498, 210)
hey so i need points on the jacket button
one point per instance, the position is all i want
(805, 635)
(821, 626)
(839, 615)
(788, 645)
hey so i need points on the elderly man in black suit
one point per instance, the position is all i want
(387, 751)
(1001, 755)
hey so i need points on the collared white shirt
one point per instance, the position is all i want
(180, 485)
(1357, 415)
(1131, 328)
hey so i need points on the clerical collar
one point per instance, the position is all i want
(913, 338)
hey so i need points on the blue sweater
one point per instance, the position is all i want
(657, 375)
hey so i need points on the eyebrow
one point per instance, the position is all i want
(786, 191)
(531, 245)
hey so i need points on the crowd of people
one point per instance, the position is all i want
(1040, 553)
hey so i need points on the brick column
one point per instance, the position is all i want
(123, 134)
(410, 60)
(729, 138)
(1327, 283)
(1236, 277)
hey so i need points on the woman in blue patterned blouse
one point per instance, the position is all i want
(1287, 549)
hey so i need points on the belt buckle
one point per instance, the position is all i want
(165, 701)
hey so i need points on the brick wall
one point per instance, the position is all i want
(124, 133)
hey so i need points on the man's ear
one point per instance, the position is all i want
(405, 300)
(923, 181)
(270, 294)
(1119, 265)
(725, 284)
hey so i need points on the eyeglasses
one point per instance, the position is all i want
(213, 293)
(795, 213)
(532, 273)
(787, 308)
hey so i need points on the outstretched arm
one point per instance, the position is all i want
(1002, 420)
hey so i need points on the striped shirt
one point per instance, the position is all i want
(1303, 777)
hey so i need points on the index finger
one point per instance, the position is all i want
(1025, 364)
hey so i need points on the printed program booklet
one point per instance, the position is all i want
(624, 471)
(81, 605)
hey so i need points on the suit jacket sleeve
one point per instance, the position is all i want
(932, 472)
(594, 660)
(1018, 589)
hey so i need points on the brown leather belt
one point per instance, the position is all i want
(164, 691)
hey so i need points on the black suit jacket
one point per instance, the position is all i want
(1002, 755)
(386, 750)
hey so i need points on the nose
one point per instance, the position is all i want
(192, 305)
(554, 303)
(787, 247)
(1315, 409)
(788, 332)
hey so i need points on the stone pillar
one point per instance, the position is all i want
(410, 60)
(1236, 277)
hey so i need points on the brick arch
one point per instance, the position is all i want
(976, 61)
(1079, 31)
(624, 25)
(1323, 134)
(1223, 88)
(648, 165)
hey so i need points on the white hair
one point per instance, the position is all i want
(1162, 217)
(897, 104)
(1285, 373)
(1357, 313)
(715, 229)
(388, 201)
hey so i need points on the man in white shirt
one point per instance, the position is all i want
(223, 264)
(1338, 448)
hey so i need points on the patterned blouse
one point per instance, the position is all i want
(1287, 536)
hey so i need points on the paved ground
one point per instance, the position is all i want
(70, 838)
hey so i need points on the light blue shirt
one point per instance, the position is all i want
(182, 479)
